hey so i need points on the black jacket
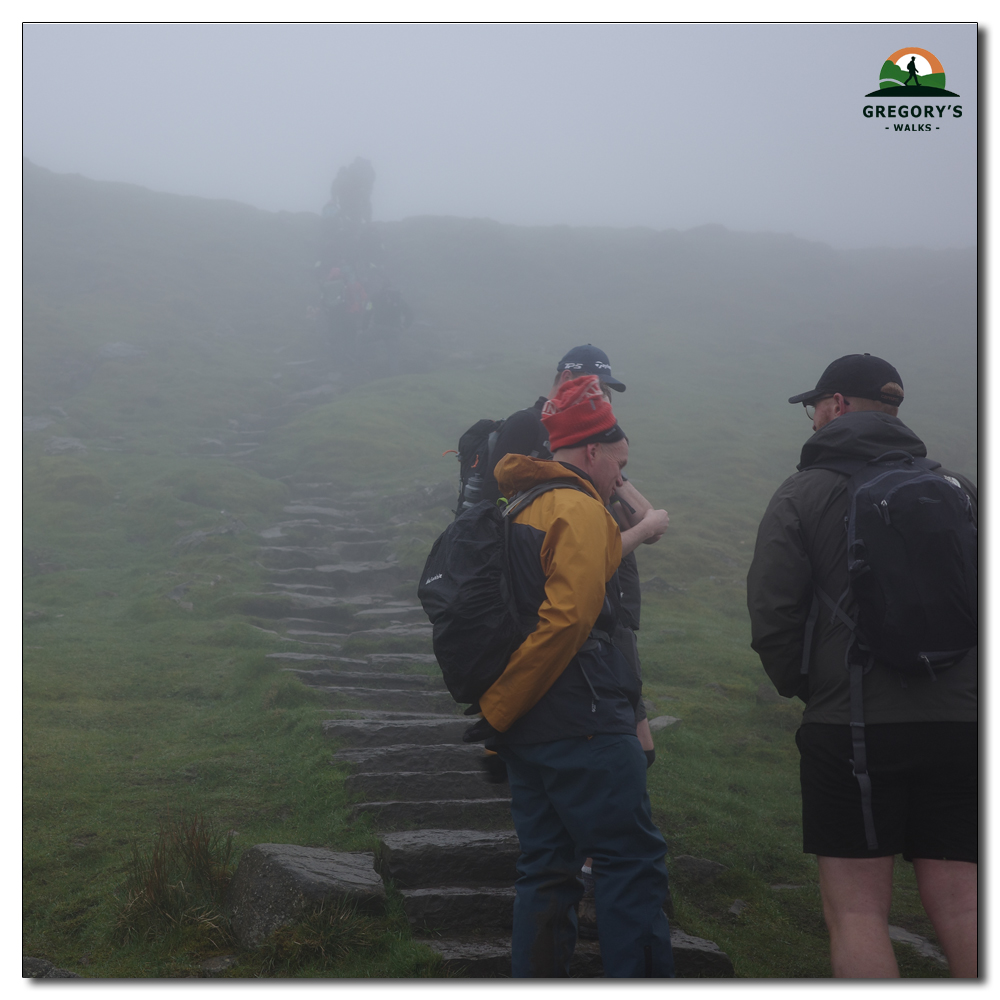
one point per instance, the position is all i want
(801, 539)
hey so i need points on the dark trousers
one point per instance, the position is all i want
(573, 799)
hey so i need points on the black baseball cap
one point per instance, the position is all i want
(861, 375)
(590, 360)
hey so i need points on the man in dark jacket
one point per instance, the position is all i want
(562, 714)
(920, 735)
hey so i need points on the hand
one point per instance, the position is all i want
(656, 523)
(479, 731)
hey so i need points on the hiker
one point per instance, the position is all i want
(911, 68)
(354, 186)
(561, 716)
(523, 433)
(888, 756)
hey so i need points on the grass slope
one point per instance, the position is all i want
(139, 709)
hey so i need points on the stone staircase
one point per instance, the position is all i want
(447, 840)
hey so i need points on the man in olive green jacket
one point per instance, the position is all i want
(921, 734)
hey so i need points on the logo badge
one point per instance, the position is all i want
(913, 72)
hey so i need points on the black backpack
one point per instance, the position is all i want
(465, 592)
(474, 448)
(913, 568)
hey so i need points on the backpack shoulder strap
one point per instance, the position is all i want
(525, 498)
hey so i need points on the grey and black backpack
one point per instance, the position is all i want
(913, 569)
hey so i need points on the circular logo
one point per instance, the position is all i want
(915, 71)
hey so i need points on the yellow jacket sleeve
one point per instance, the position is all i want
(580, 552)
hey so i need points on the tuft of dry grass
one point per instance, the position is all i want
(179, 881)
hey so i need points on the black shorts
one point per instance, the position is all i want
(925, 790)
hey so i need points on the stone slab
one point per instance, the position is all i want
(474, 959)
(417, 785)
(383, 659)
(662, 721)
(413, 757)
(457, 814)
(455, 909)
(694, 958)
(304, 657)
(416, 859)
(372, 679)
(277, 883)
(344, 696)
(378, 733)
(699, 958)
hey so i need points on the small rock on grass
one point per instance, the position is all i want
(919, 944)
(696, 869)
(661, 722)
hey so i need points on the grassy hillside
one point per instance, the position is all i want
(162, 333)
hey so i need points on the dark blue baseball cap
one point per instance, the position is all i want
(590, 360)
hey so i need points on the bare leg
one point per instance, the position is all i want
(950, 893)
(857, 893)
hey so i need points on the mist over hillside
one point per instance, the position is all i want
(711, 329)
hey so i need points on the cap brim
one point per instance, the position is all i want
(807, 397)
(614, 384)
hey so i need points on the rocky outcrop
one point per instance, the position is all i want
(40, 968)
(275, 884)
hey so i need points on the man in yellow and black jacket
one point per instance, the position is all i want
(562, 714)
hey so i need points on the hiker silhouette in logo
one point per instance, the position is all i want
(863, 596)
(911, 67)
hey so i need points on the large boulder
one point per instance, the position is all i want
(276, 884)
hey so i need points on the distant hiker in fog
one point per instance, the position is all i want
(911, 67)
(882, 648)
(561, 716)
(353, 186)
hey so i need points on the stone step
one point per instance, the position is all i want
(291, 556)
(313, 529)
(416, 859)
(375, 732)
(694, 958)
(417, 785)
(421, 631)
(343, 577)
(360, 515)
(314, 657)
(456, 909)
(392, 611)
(413, 757)
(393, 659)
(308, 589)
(443, 814)
(343, 696)
(314, 609)
(489, 959)
(302, 509)
(330, 678)
(372, 715)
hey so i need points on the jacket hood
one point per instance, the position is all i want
(867, 435)
(519, 472)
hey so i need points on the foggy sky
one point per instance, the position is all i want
(756, 127)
